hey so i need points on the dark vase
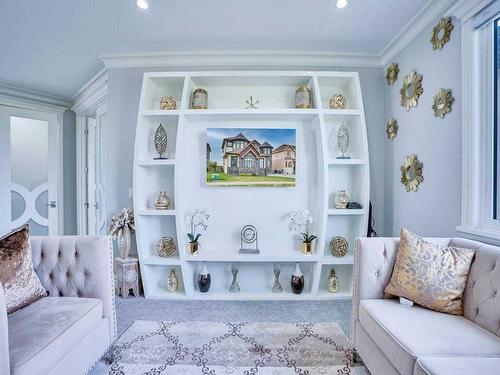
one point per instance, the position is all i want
(204, 279)
(297, 282)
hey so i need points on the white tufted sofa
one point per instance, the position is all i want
(67, 332)
(396, 340)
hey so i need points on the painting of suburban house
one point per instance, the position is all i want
(250, 157)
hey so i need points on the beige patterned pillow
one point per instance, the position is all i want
(19, 280)
(430, 275)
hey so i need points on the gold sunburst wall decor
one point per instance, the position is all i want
(442, 103)
(392, 129)
(392, 74)
(411, 90)
(411, 173)
(441, 33)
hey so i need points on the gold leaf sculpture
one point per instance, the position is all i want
(441, 33)
(411, 173)
(411, 90)
(392, 129)
(442, 103)
(392, 73)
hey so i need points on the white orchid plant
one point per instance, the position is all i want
(121, 222)
(197, 220)
(300, 222)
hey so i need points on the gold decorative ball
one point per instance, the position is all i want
(168, 103)
(338, 101)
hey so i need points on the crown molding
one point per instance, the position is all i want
(241, 58)
(29, 99)
(92, 94)
(463, 10)
(432, 10)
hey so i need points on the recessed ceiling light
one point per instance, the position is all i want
(143, 4)
(341, 4)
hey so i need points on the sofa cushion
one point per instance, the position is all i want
(20, 282)
(403, 333)
(432, 275)
(457, 365)
(41, 333)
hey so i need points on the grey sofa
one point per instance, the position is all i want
(67, 332)
(393, 339)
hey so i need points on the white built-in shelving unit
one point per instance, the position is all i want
(319, 175)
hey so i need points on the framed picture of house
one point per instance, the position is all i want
(255, 157)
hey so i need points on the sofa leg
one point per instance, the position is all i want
(356, 358)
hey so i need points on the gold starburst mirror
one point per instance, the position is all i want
(441, 33)
(392, 73)
(442, 103)
(411, 90)
(392, 129)
(411, 172)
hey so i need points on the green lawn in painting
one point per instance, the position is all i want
(223, 179)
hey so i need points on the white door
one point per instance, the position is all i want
(95, 169)
(30, 171)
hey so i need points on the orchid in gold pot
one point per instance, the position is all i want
(300, 222)
(197, 221)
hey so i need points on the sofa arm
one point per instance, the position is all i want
(77, 266)
(373, 262)
(4, 336)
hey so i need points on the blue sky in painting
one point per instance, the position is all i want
(275, 137)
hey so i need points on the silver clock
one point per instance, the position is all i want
(249, 240)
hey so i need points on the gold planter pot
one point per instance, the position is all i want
(307, 248)
(194, 248)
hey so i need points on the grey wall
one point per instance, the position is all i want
(124, 86)
(69, 170)
(435, 209)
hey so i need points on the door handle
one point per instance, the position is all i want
(52, 204)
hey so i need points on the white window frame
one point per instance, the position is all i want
(477, 121)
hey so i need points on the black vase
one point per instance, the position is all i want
(297, 282)
(204, 280)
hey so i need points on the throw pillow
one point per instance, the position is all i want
(20, 282)
(430, 275)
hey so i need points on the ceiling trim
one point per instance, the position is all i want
(92, 94)
(30, 99)
(466, 9)
(432, 10)
(240, 58)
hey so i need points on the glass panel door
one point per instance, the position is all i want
(29, 170)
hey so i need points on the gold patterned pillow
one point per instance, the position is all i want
(430, 275)
(19, 280)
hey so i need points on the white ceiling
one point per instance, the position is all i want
(54, 45)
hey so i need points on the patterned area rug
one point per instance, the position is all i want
(165, 348)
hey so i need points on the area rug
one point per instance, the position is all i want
(213, 348)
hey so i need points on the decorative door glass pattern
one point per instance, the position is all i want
(29, 149)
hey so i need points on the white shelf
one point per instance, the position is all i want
(182, 177)
(160, 112)
(161, 261)
(153, 212)
(346, 211)
(153, 163)
(255, 258)
(349, 259)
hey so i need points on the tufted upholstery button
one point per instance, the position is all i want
(76, 254)
(377, 273)
(60, 294)
(59, 254)
(41, 255)
(51, 275)
(68, 275)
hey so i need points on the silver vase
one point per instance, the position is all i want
(235, 288)
(277, 286)
(124, 241)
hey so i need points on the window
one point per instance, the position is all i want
(249, 161)
(234, 161)
(261, 163)
(480, 124)
(496, 131)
